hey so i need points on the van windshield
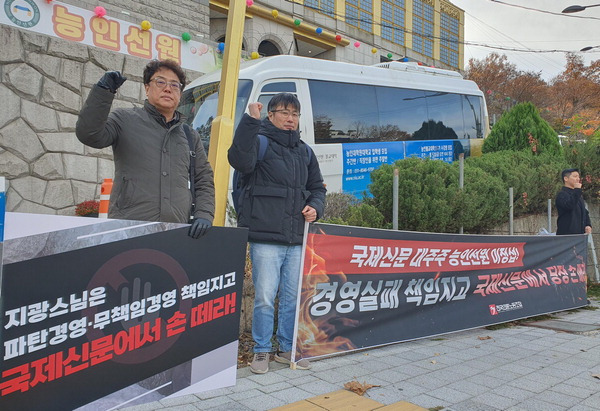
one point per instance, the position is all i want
(199, 106)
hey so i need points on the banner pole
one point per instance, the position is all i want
(594, 257)
(395, 190)
(549, 215)
(510, 211)
(593, 250)
(299, 298)
(2, 207)
(461, 179)
(2, 219)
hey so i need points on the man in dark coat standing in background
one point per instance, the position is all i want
(573, 217)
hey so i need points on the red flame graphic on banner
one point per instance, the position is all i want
(313, 338)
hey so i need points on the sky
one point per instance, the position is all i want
(496, 23)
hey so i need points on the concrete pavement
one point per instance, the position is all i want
(523, 367)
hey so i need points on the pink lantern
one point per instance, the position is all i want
(100, 11)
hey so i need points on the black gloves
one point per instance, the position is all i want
(112, 80)
(199, 227)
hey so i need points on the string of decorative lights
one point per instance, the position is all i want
(450, 40)
(544, 11)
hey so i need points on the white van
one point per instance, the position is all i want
(357, 117)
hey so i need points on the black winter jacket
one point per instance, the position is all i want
(572, 215)
(280, 185)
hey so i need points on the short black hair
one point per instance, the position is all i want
(567, 172)
(168, 64)
(285, 100)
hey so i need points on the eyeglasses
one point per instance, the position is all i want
(286, 113)
(161, 83)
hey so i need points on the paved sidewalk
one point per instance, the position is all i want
(514, 368)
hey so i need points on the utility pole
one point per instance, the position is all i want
(222, 130)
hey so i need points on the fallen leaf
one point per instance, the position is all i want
(596, 376)
(436, 354)
(434, 362)
(487, 337)
(358, 388)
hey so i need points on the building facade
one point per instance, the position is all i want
(53, 52)
(370, 31)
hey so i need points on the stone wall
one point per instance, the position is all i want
(43, 83)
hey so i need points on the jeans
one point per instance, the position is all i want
(274, 268)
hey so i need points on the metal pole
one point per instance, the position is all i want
(594, 257)
(549, 215)
(593, 250)
(395, 190)
(461, 178)
(221, 133)
(510, 211)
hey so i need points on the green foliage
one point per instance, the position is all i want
(483, 204)
(344, 209)
(586, 157)
(333, 220)
(365, 215)
(522, 128)
(430, 200)
(428, 194)
(534, 178)
(337, 205)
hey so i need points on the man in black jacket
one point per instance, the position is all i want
(282, 191)
(573, 217)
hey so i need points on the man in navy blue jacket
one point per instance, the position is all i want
(282, 191)
(573, 217)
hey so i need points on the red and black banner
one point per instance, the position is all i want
(82, 324)
(364, 287)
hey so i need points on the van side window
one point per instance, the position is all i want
(269, 90)
(281, 87)
(472, 115)
(403, 113)
(445, 118)
(346, 113)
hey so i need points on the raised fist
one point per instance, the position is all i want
(112, 80)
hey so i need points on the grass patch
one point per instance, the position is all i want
(517, 322)
(501, 326)
(593, 291)
(537, 318)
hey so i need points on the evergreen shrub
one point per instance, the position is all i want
(522, 128)
(534, 178)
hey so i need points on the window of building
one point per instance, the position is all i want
(267, 48)
(392, 20)
(322, 6)
(449, 39)
(359, 13)
(423, 27)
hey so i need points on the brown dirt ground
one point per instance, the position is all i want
(245, 353)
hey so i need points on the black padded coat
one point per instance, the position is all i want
(280, 185)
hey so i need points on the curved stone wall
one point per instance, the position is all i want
(43, 84)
